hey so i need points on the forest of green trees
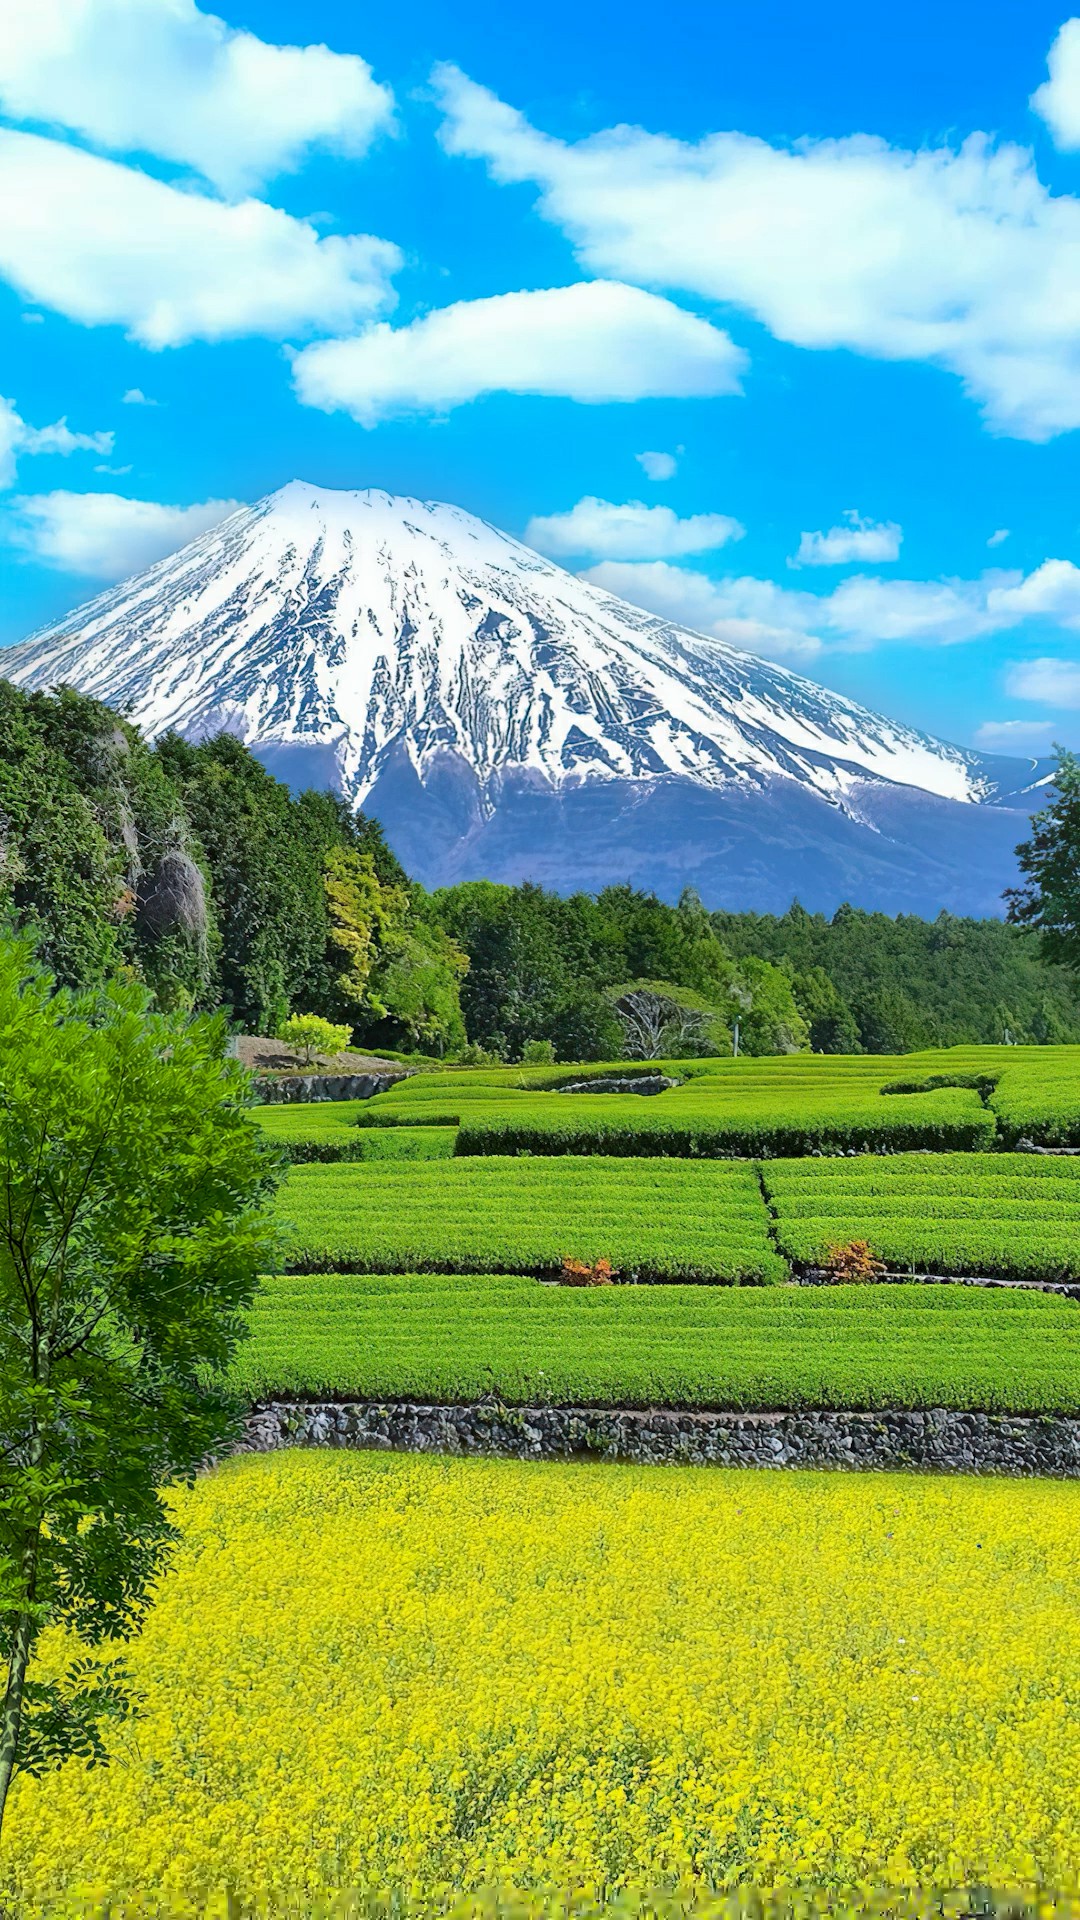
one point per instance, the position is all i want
(190, 868)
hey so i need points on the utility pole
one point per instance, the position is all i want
(735, 1049)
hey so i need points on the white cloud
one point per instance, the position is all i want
(158, 76)
(864, 612)
(752, 614)
(60, 439)
(957, 257)
(135, 397)
(1052, 593)
(17, 438)
(1055, 683)
(997, 538)
(594, 341)
(861, 613)
(657, 466)
(1058, 99)
(860, 539)
(1016, 736)
(11, 431)
(630, 532)
(105, 245)
(104, 535)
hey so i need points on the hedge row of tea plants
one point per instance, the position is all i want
(655, 1219)
(1040, 1099)
(960, 1099)
(446, 1337)
(1011, 1216)
(328, 1130)
(712, 1119)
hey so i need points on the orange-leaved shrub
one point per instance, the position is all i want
(579, 1273)
(853, 1261)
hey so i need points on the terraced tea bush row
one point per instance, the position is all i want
(1040, 1099)
(713, 1119)
(656, 1219)
(795, 1104)
(1011, 1216)
(736, 1109)
(444, 1337)
(328, 1131)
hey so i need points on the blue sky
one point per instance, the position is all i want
(797, 274)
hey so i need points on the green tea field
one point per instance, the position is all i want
(423, 1257)
(960, 1098)
(451, 1337)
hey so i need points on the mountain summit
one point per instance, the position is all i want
(506, 719)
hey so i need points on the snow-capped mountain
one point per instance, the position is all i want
(503, 717)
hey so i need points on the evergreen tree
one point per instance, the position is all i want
(1049, 900)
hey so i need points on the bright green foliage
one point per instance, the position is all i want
(788, 1105)
(312, 1035)
(327, 1130)
(1039, 1097)
(653, 1219)
(132, 1230)
(360, 912)
(1011, 1216)
(416, 984)
(708, 1119)
(95, 849)
(964, 1097)
(449, 1337)
(897, 985)
(1049, 901)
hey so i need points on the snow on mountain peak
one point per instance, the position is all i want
(367, 627)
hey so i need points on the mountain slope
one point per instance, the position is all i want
(503, 717)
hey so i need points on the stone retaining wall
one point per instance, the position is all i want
(325, 1086)
(938, 1440)
(823, 1277)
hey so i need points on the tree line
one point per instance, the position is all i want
(189, 869)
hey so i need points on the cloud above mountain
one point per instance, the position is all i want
(631, 532)
(160, 77)
(857, 540)
(594, 341)
(956, 256)
(860, 614)
(105, 536)
(17, 438)
(105, 244)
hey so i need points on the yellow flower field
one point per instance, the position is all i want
(392, 1673)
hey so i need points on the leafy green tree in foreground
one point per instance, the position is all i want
(132, 1230)
(1050, 860)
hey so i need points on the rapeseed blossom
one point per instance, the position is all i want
(419, 1676)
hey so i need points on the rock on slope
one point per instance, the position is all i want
(506, 719)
